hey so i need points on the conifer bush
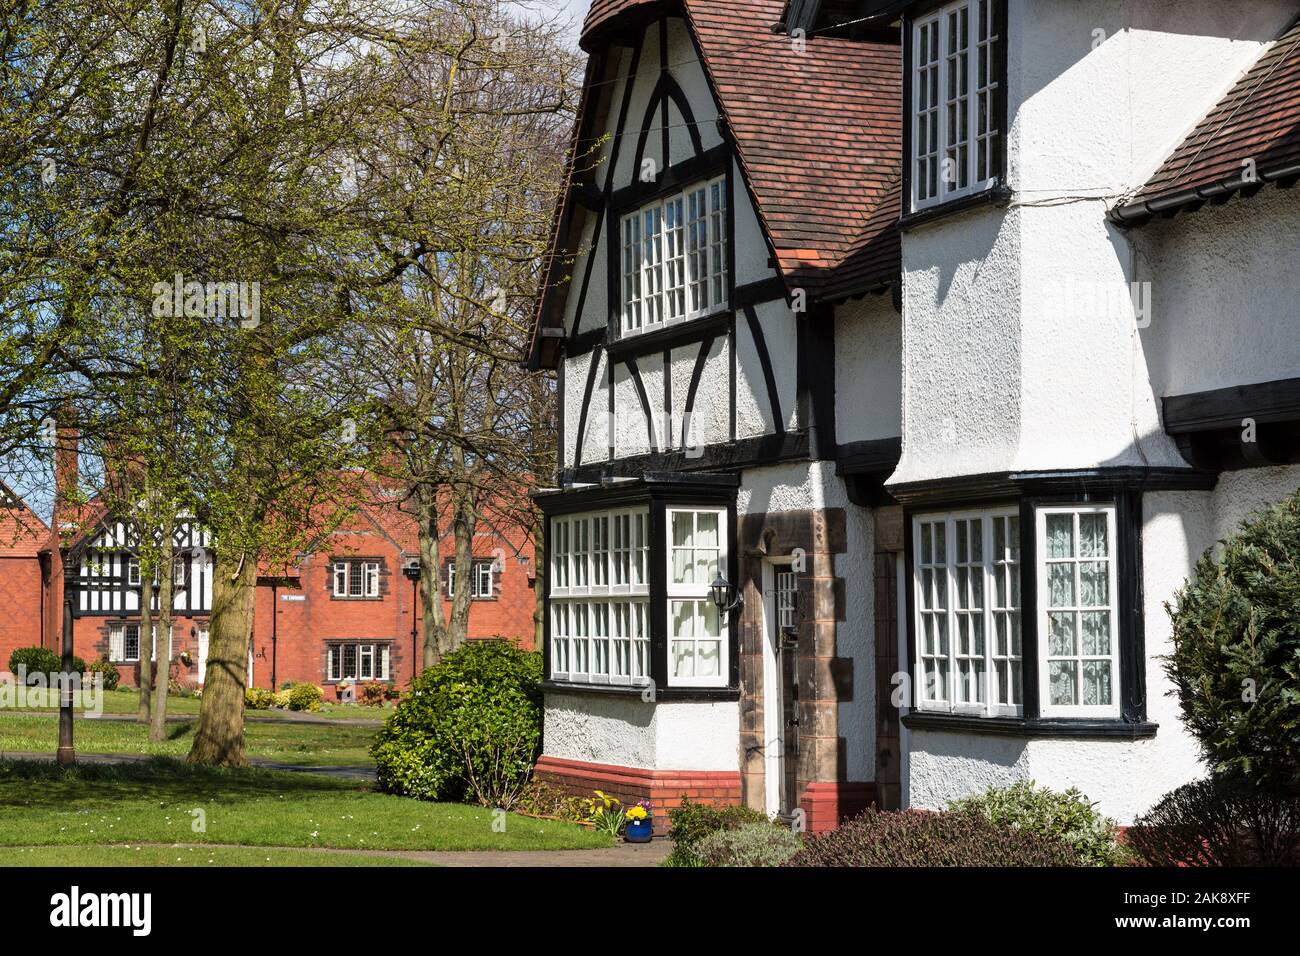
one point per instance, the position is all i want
(1236, 660)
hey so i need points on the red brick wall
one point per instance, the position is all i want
(665, 789)
(20, 605)
(308, 617)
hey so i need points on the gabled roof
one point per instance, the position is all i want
(22, 533)
(818, 137)
(1251, 137)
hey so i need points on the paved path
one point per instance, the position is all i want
(619, 855)
(357, 773)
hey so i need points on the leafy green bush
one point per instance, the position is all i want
(41, 660)
(692, 822)
(1220, 821)
(469, 728)
(1068, 816)
(751, 844)
(258, 698)
(305, 697)
(106, 669)
(1236, 660)
(921, 838)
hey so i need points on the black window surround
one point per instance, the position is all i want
(1121, 488)
(710, 164)
(657, 492)
(998, 193)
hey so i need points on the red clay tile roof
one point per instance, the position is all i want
(22, 533)
(820, 141)
(1258, 120)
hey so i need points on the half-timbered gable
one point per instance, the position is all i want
(108, 574)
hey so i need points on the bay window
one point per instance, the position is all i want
(629, 579)
(955, 89)
(968, 612)
(674, 257)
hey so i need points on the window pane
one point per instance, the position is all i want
(1060, 536)
(1094, 584)
(350, 660)
(1060, 637)
(1096, 683)
(1063, 678)
(1060, 585)
(1096, 633)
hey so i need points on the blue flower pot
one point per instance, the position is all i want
(639, 831)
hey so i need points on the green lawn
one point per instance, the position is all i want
(127, 701)
(156, 802)
(332, 745)
(154, 855)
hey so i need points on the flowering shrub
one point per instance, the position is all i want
(753, 844)
(1067, 816)
(692, 822)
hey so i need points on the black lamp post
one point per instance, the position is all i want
(67, 754)
(412, 570)
(724, 596)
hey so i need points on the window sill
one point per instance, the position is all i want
(993, 196)
(714, 694)
(1031, 728)
(684, 330)
(337, 597)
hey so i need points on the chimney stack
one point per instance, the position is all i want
(66, 483)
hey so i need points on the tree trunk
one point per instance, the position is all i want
(146, 641)
(220, 738)
(166, 598)
(463, 525)
(430, 576)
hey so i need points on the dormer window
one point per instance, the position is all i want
(674, 257)
(956, 102)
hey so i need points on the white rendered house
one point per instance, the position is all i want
(946, 336)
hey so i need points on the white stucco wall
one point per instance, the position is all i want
(1223, 293)
(1013, 357)
(868, 369)
(628, 732)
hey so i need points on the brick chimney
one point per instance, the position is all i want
(66, 507)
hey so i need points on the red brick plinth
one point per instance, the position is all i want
(827, 805)
(663, 788)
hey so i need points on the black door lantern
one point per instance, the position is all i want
(724, 596)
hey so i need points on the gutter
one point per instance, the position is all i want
(1137, 213)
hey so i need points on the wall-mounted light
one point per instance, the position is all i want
(725, 597)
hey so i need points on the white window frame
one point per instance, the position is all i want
(117, 642)
(133, 571)
(1046, 708)
(673, 258)
(343, 575)
(932, 106)
(593, 623)
(698, 592)
(950, 704)
(380, 661)
(481, 588)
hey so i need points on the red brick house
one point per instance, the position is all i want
(343, 611)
